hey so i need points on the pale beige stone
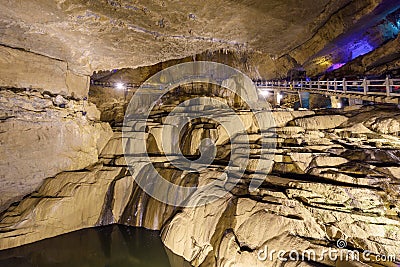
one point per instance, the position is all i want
(321, 122)
(329, 161)
(21, 69)
(40, 140)
(68, 202)
(186, 239)
(122, 194)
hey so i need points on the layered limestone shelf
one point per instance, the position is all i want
(335, 175)
(328, 183)
(22, 69)
(42, 135)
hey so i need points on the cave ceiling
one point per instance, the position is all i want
(105, 34)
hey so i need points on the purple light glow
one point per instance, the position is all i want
(335, 66)
(360, 48)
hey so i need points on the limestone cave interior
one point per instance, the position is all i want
(199, 133)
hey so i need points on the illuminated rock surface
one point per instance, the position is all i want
(40, 139)
(335, 172)
(267, 38)
(325, 185)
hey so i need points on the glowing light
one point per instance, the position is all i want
(336, 66)
(323, 61)
(120, 86)
(360, 48)
(265, 93)
(339, 105)
(390, 30)
(279, 98)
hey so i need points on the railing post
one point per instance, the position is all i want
(365, 85)
(334, 85)
(327, 85)
(387, 82)
(318, 85)
(344, 85)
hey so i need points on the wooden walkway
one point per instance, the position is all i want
(384, 91)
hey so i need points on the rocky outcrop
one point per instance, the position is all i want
(334, 176)
(42, 135)
(383, 60)
(320, 122)
(111, 102)
(327, 183)
(67, 202)
(23, 69)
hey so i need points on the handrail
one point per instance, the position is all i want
(172, 82)
(387, 87)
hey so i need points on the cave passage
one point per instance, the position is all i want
(200, 133)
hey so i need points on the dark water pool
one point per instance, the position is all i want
(110, 246)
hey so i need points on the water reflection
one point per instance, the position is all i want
(110, 246)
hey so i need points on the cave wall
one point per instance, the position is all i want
(46, 125)
(327, 183)
(383, 60)
(62, 169)
(22, 69)
(361, 30)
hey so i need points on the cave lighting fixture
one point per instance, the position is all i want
(264, 93)
(280, 96)
(120, 86)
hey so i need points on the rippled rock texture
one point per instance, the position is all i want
(335, 176)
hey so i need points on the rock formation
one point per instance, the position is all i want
(42, 135)
(269, 38)
(327, 183)
(335, 173)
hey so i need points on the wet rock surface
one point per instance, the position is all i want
(329, 181)
(324, 186)
(335, 174)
